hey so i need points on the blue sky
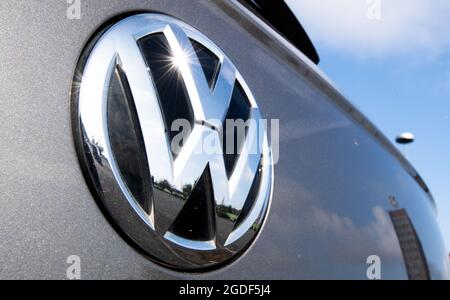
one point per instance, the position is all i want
(391, 58)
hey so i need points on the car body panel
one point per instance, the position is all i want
(334, 182)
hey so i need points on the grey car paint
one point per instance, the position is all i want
(333, 183)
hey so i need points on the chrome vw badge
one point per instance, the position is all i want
(171, 142)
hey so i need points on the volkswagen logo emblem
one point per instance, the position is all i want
(149, 93)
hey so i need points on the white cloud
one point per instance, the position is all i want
(376, 237)
(404, 25)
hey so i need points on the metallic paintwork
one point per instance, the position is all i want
(333, 182)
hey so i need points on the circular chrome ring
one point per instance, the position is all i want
(150, 229)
